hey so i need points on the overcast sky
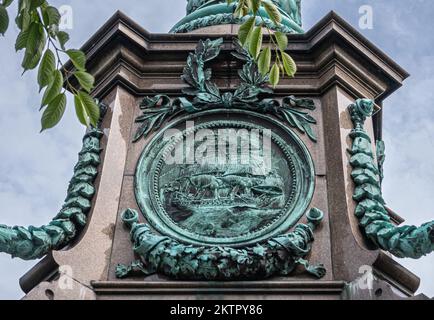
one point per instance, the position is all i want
(35, 168)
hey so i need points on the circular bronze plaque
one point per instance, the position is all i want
(224, 181)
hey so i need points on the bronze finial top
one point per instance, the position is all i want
(205, 13)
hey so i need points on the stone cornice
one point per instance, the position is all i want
(331, 53)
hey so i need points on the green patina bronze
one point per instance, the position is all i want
(230, 202)
(278, 256)
(205, 13)
(381, 157)
(290, 8)
(223, 220)
(402, 241)
(205, 95)
(35, 242)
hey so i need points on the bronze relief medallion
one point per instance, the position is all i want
(218, 180)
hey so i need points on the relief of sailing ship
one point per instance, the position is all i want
(223, 200)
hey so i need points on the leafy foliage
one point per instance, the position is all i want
(404, 241)
(251, 37)
(278, 256)
(35, 242)
(43, 44)
(203, 94)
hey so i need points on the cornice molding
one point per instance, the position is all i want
(331, 53)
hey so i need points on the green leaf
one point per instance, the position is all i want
(86, 108)
(54, 112)
(256, 42)
(275, 75)
(242, 8)
(81, 112)
(63, 38)
(282, 40)
(21, 41)
(46, 69)
(33, 63)
(23, 20)
(23, 5)
(53, 88)
(35, 44)
(245, 30)
(78, 59)
(34, 4)
(85, 79)
(4, 20)
(272, 11)
(30, 60)
(7, 3)
(34, 36)
(255, 5)
(289, 64)
(264, 61)
(52, 16)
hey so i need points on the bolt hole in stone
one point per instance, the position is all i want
(50, 294)
(378, 292)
